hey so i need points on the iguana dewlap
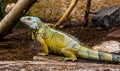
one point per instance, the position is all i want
(59, 43)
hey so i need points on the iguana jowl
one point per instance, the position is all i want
(59, 43)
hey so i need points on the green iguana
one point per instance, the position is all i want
(59, 43)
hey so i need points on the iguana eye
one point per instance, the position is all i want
(28, 18)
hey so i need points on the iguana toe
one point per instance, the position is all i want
(42, 54)
(51, 24)
(54, 26)
(61, 27)
(68, 59)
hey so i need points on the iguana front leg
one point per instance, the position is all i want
(33, 36)
(66, 14)
(70, 54)
(44, 47)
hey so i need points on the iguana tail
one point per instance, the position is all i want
(95, 55)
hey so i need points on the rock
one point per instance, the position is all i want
(39, 58)
(114, 34)
(107, 17)
(56, 66)
(108, 46)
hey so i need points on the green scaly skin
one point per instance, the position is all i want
(59, 43)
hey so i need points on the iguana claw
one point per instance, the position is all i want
(53, 25)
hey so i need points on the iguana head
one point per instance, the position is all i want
(33, 22)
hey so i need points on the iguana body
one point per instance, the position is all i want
(59, 43)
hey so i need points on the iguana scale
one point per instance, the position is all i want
(59, 43)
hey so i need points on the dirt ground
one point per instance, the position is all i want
(18, 45)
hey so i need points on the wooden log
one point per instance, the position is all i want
(13, 16)
(56, 66)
